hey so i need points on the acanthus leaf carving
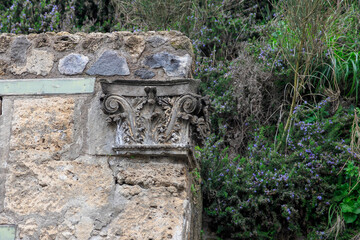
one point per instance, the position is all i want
(157, 120)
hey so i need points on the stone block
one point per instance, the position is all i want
(135, 45)
(18, 50)
(46, 86)
(174, 66)
(40, 63)
(109, 64)
(157, 41)
(156, 196)
(43, 125)
(144, 73)
(53, 186)
(7, 232)
(73, 64)
(5, 131)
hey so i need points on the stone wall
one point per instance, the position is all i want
(59, 177)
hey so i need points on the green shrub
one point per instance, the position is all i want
(273, 195)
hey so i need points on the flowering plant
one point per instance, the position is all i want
(272, 194)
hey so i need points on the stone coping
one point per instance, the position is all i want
(46, 86)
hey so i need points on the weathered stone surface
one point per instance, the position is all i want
(18, 50)
(182, 43)
(135, 45)
(65, 42)
(73, 64)
(42, 41)
(151, 214)
(144, 73)
(4, 43)
(118, 40)
(157, 41)
(3, 67)
(109, 64)
(92, 43)
(155, 193)
(33, 188)
(2, 188)
(5, 130)
(28, 228)
(44, 125)
(40, 63)
(174, 66)
(84, 228)
(100, 140)
(151, 174)
(4, 219)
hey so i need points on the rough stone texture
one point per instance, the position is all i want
(65, 42)
(174, 66)
(18, 50)
(157, 41)
(40, 63)
(5, 131)
(4, 43)
(118, 40)
(154, 192)
(110, 63)
(144, 73)
(59, 177)
(93, 43)
(73, 64)
(3, 67)
(2, 188)
(44, 123)
(43, 129)
(42, 41)
(135, 45)
(34, 188)
(182, 43)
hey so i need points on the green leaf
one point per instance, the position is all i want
(357, 211)
(350, 217)
(346, 208)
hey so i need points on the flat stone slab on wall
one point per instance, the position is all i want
(59, 175)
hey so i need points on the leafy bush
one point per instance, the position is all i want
(26, 16)
(273, 195)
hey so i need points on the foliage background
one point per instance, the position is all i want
(283, 79)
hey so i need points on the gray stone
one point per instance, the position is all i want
(156, 41)
(5, 130)
(2, 188)
(144, 73)
(109, 64)
(18, 50)
(73, 64)
(174, 66)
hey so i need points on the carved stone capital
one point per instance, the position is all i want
(162, 115)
